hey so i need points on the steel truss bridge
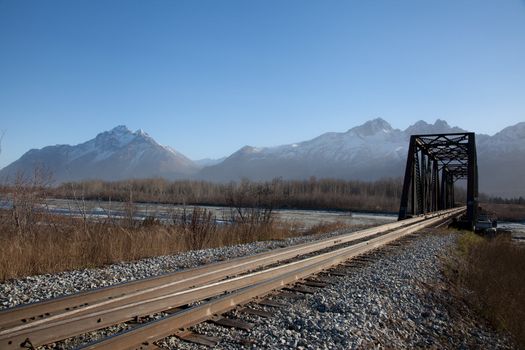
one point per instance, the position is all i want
(434, 163)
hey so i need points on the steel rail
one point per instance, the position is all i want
(37, 313)
(46, 331)
(156, 330)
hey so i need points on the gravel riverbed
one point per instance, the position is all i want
(398, 301)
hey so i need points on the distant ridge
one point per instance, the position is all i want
(370, 151)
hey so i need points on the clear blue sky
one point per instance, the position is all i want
(207, 77)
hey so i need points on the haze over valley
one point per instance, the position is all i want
(368, 152)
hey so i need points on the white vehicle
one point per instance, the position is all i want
(485, 224)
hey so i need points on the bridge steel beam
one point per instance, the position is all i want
(434, 163)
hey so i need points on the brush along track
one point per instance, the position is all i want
(46, 322)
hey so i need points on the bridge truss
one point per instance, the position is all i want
(434, 163)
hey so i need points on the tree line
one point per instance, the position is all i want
(381, 195)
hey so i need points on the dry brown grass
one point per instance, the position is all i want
(506, 212)
(493, 273)
(53, 244)
(52, 249)
(34, 241)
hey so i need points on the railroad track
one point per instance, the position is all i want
(213, 290)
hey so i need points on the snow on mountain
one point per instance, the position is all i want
(369, 151)
(332, 145)
(372, 151)
(111, 155)
(501, 162)
(439, 127)
(510, 139)
(372, 127)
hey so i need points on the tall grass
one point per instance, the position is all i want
(55, 244)
(493, 274)
(34, 241)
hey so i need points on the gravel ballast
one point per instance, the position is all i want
(398, 301)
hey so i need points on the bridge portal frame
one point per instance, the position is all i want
(434, 163)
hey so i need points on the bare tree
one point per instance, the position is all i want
(251, 203)
(29, 196)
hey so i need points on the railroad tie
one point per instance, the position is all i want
(301, 289)
(271, 303)
(196, 338)
(352, 264)
(363, 259)
(232, 323)
(288, 295)
(315, 284)
(338, 273)
(148, 346)
(260, 313)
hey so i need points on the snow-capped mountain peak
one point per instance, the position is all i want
(113, 139)
(509, 140)
(248, 150)
(372, 127)
(115, 154)
(441, 124)
(516, 132)
(369, 151)
(120, 129)
(439, 127)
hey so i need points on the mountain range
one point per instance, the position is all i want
(112, 155)
(369, 151)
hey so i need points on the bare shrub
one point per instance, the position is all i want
(199, 227)
(250, 203)
(27, 195)
(34, 241)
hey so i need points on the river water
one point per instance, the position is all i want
(517, 230)
(166, 212)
